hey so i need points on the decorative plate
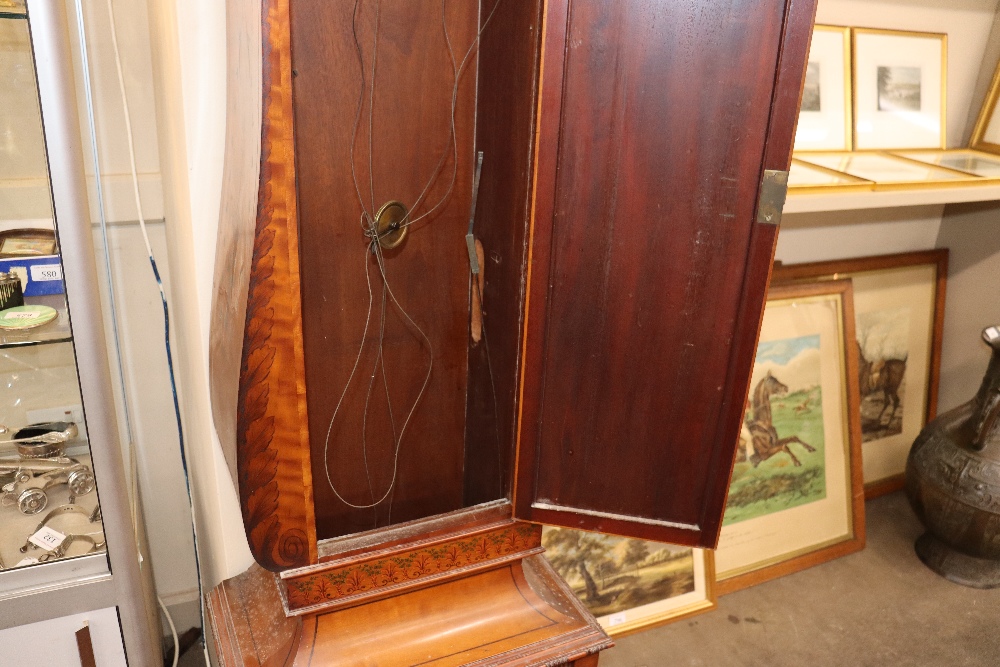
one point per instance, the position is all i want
(26, 317)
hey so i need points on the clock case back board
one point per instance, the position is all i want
(624, 266)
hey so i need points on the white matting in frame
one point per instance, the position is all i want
(825, 111)
(899, 89)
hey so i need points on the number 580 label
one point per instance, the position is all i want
(43, 272)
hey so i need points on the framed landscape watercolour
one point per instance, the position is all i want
(796, 496)
(631, 585)
(899, 89)
(899, 310)
(825, 112)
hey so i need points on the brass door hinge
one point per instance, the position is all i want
(773, 190)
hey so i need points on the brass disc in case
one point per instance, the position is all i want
(388, 224)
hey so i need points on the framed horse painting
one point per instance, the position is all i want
(899, 318)
(796, 496)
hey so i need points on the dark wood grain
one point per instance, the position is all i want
(646, 278)
(505, 125)
(410, 117)
(789, 77)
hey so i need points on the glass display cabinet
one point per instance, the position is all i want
(484, 266)
(68, 556)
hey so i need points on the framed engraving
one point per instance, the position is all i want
(899, 89)
(825, 111)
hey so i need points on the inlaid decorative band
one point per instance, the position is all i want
(343, 584)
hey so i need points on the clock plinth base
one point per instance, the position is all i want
(519, 613)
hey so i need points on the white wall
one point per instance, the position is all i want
(189, 65)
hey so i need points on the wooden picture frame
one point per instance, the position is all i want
(986, 133)
(915, 282)
(796, 497)
(900, 89)
(633, 585)
(825, 112)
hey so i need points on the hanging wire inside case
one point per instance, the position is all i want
(385, 228)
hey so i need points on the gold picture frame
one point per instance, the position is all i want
(900, 89)
(889, 171)
(796, 498)
(899, 303)
(975, 162)
(632, 585)
(826, 108)
(806, 178)
(986, 133)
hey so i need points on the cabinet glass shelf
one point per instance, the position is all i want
(56, 331)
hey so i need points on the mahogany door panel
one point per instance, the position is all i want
(654, 123)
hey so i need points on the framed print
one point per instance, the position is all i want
(796, 498)
(825, 112)
(889, 172)
(984, 165)
(631, 585)
(899, 318)
(27, 243)
(805, 178)
(899, 89)
(986, 133)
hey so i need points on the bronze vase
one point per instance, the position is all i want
(953, 483)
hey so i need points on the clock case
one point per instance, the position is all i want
(633, 155)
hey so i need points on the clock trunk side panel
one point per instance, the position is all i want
(638, 275)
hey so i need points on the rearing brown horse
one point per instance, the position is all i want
(766, 442)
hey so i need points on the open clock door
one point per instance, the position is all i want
(650, 253)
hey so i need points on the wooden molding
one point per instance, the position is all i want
(354, 580)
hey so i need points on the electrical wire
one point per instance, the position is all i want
(166, 338)
(173, 631)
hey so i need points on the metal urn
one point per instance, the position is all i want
(953, 483)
